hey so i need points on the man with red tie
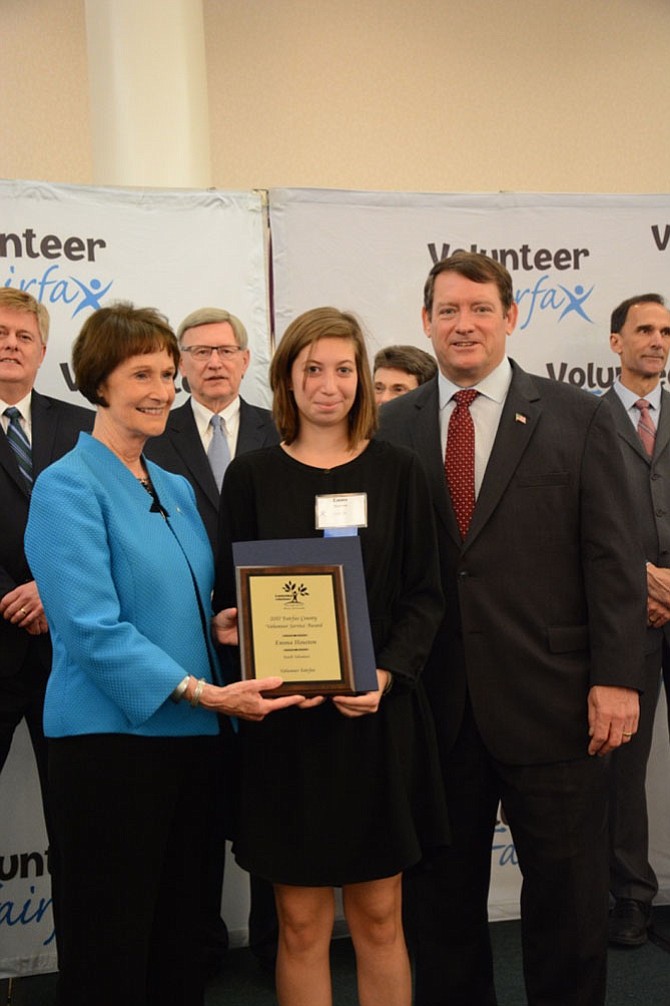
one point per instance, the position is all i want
(535, 672)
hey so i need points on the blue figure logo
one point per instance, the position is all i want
(93, 294)
(575, 301)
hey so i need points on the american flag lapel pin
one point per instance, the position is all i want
(520, 418)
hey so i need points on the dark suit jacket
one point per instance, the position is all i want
(180, 450)
(55, 429)
(546, 595)
(649, 484)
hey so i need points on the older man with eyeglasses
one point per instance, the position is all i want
(201, 437)
(214, 424)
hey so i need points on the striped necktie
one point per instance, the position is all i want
(20, 444)
(646, 430)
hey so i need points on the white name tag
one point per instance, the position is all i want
(348, 510)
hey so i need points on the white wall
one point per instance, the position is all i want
(437, 95)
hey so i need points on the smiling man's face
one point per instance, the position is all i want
(21, 353)
(468, 327)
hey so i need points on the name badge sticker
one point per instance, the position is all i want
(346, 510)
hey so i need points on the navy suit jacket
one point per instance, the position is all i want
(55, 428)
(179, 449)
(546, 595)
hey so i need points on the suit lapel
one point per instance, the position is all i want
(663, 430)
(518, 421)
(44, 420)
(183, 433)
(627, 432)
(251, 430)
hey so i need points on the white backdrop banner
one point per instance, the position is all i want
(27, 943)
(573, 258)
(78, 249)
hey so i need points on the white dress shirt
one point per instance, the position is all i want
(230, 416)
(485, 410)
(26, 415)
(629, 398)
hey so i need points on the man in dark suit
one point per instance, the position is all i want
(535, 669)
(36, 430)
(640, 335)
(214, 359)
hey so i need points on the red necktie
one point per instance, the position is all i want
(646, 430)
(459, 459)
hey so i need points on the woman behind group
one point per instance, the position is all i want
(342, 792)
(124, 570)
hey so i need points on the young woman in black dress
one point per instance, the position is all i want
(341, 791)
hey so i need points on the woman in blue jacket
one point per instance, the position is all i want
(124, 570)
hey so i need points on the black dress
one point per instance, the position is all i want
(326, 800)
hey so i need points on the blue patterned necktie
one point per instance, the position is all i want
(218, 452)
(20, 444)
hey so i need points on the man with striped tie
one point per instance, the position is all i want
(36, 430)
(640, 336)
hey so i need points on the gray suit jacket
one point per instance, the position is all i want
(546, 594)
(179, 449)
(649, 484)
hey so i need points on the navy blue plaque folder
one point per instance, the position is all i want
(344, 552)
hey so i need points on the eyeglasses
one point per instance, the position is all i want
(202, 353)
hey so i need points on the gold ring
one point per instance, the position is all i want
(624, 734)
(23, 611)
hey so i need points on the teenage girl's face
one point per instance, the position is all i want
(324, 380)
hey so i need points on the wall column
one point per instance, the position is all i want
(148, 92)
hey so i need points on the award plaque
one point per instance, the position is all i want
(337, 602)
(293, 624)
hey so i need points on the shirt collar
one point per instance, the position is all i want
(203, 415)
(629, 398)
(494, 386)
(23, 405)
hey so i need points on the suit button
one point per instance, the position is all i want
(463, 574)
(655, 475)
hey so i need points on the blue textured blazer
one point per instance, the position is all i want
(119, 596)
